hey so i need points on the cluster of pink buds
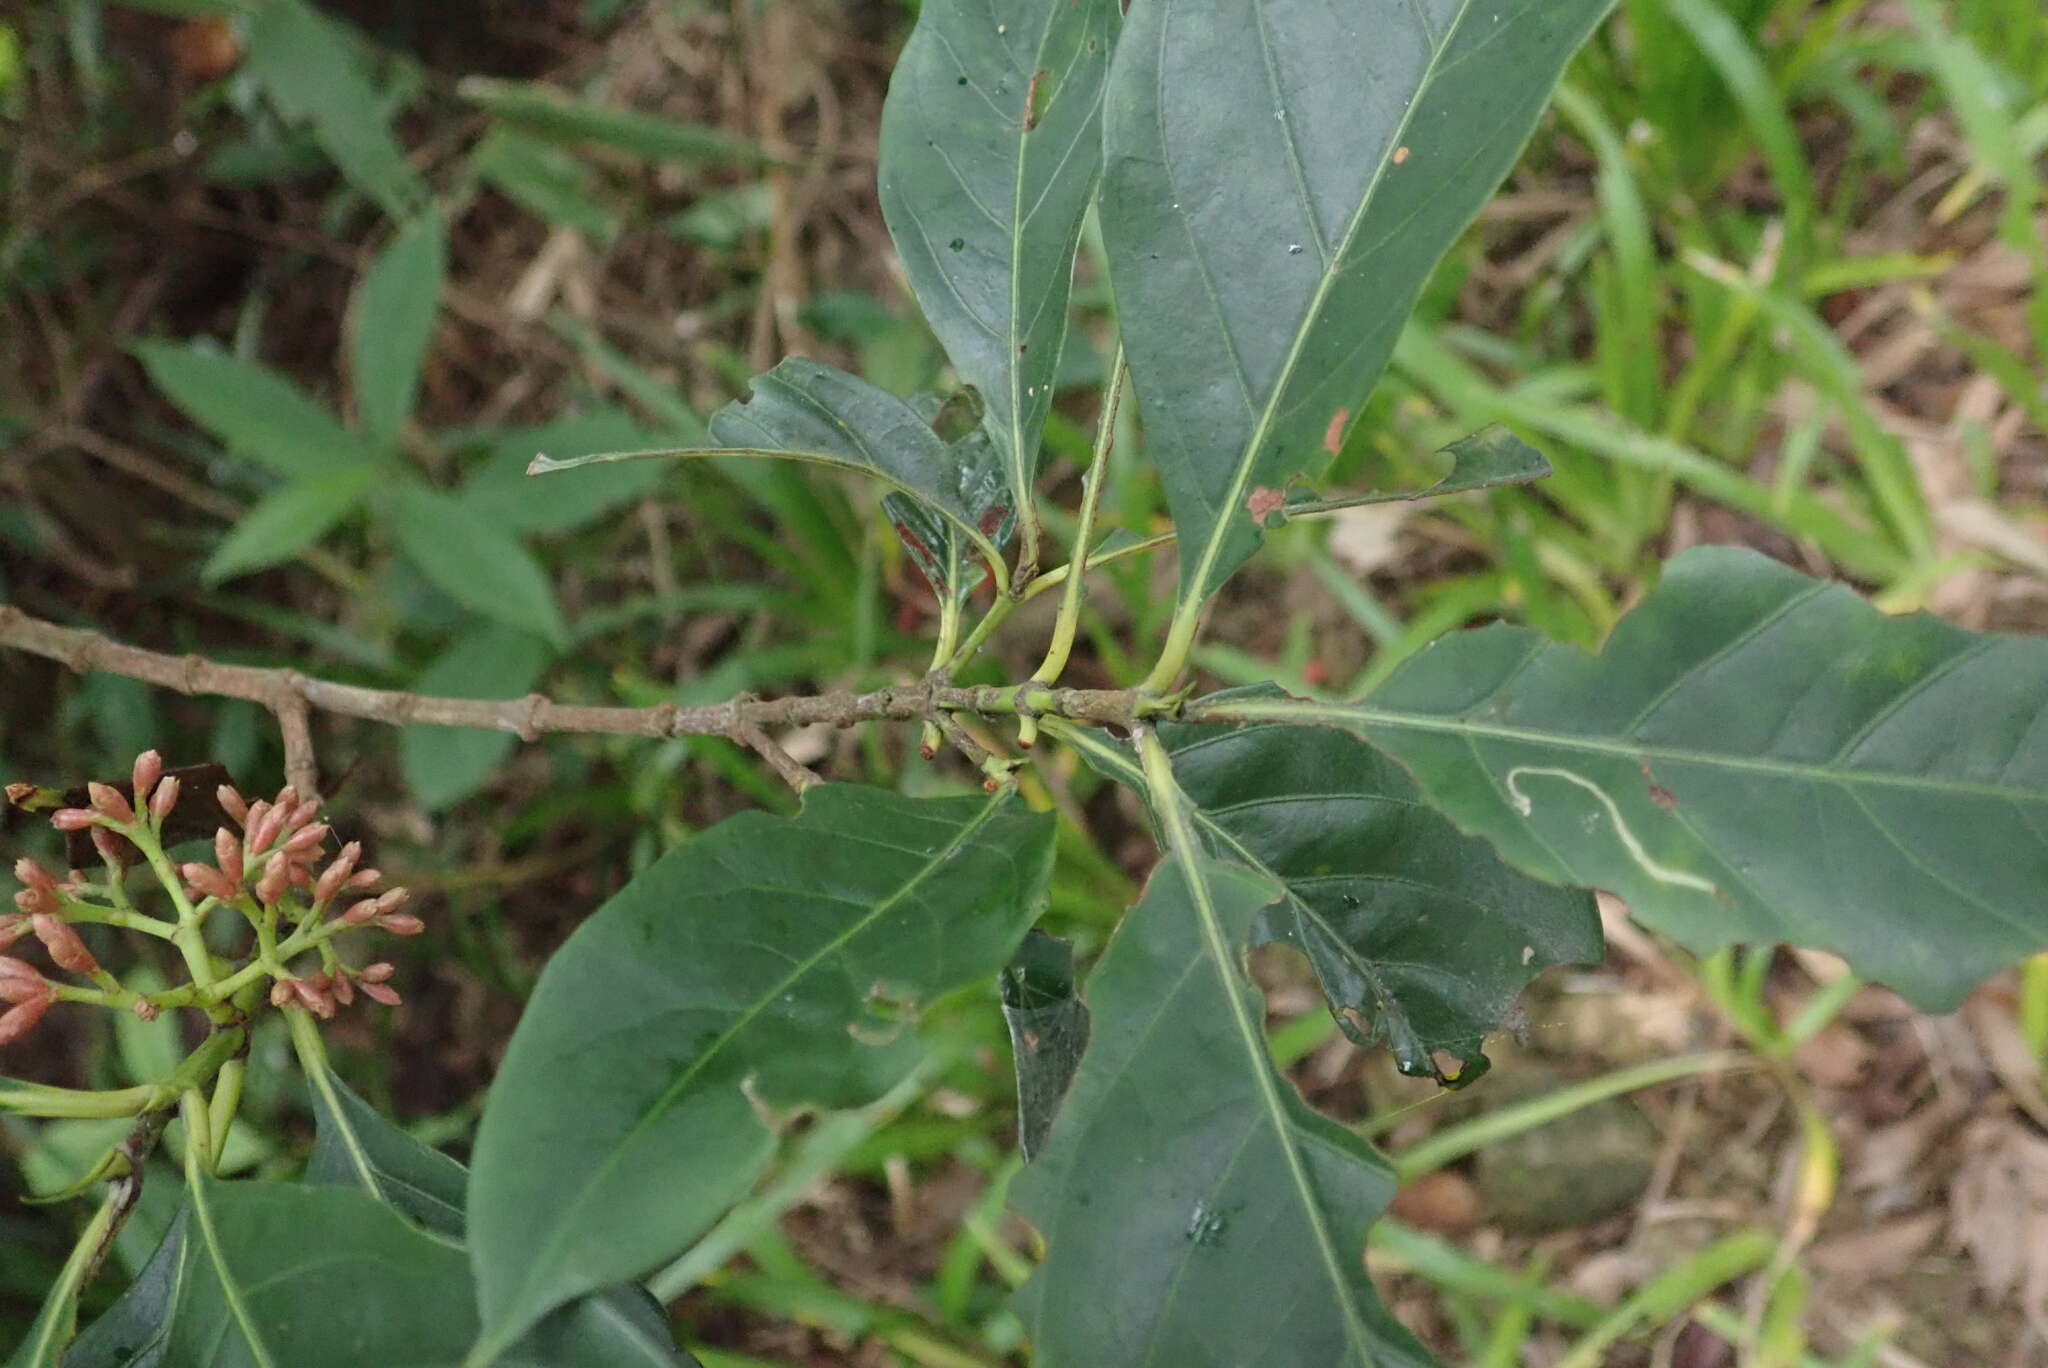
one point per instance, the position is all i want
(271, 866)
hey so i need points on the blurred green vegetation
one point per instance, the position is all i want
(289, 295)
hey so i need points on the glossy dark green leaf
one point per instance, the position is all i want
(1048, 1031)
(133, 1332)
(357, 1147)
(1420, 936)
(1755, 756)
(804, 410)
(276, 1275)
(766, 962)
(391, 324)
(1280, 177)
(444, 765)
(479, 565)
(1196, 1211)
(938, 545)
(991, 146)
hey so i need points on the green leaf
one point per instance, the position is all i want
(275, 1275)
(1048, 1032)
(991, 147)
(804, 410)
(1419, 936)
(938, 546)
(255, 412)
(391, 323)
(541, 109)
(479, 565)
(545, 178)
(1490, 457)
(444, 765)
(356, 1146)
(312, 68)
(1196, 1211)
(287, 521)
(770, 953)
(503, 493)
(133, 1331)
(1280, 177)
(1755, 756)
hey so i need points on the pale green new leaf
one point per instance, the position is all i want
(1196, 1212)
(767, 962)
(991, 146)
(1420, 936)
(1280, 178)
(285, 522)
(478, 564)
(391, 323)
(1755, 756)
(257, 414)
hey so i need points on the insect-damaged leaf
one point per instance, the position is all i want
(991, 146)
(1048, 1031)
(1754, 756)
(1419, 935)
(1280, 176)
(804, 410)
(1196, 1211)
(764, 962)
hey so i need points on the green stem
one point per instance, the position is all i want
(1180, 643)
(190, 933)
(992, 619)
(54, 1329)
(77, 910)
(1068, 622)
(199, 1153)
(1454, 1143)
(227, 1100)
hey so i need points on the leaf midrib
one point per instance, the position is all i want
(1173, 808)
(1196, 590)
(1352, 716)
(801, 969)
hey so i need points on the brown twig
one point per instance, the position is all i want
(793, 771)
(286, 691)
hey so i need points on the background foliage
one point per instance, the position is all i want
(1768, 275)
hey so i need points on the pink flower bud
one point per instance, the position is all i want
(271, 886)
(18, 990)
(164, 799)
(74, 819)
(344, 988)
(207, 882)
(18, 971)
(109, 846)
(18, 1021)
(264, 830)
(13, 929)
(336, 874)
(305, 810)
(392, 900)
(301, 876)
(34, 900)
(145, 1009)
(287, 797)
(402, 924)
(366, 880)
(227, 853)
(107, 800)
(34, 875)
(149, 767)
(65, 948)
(380, 972)
(308, 839)
(314, 998)
(232, 803)
(359, 913)
(280, 992)
(382, 992)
